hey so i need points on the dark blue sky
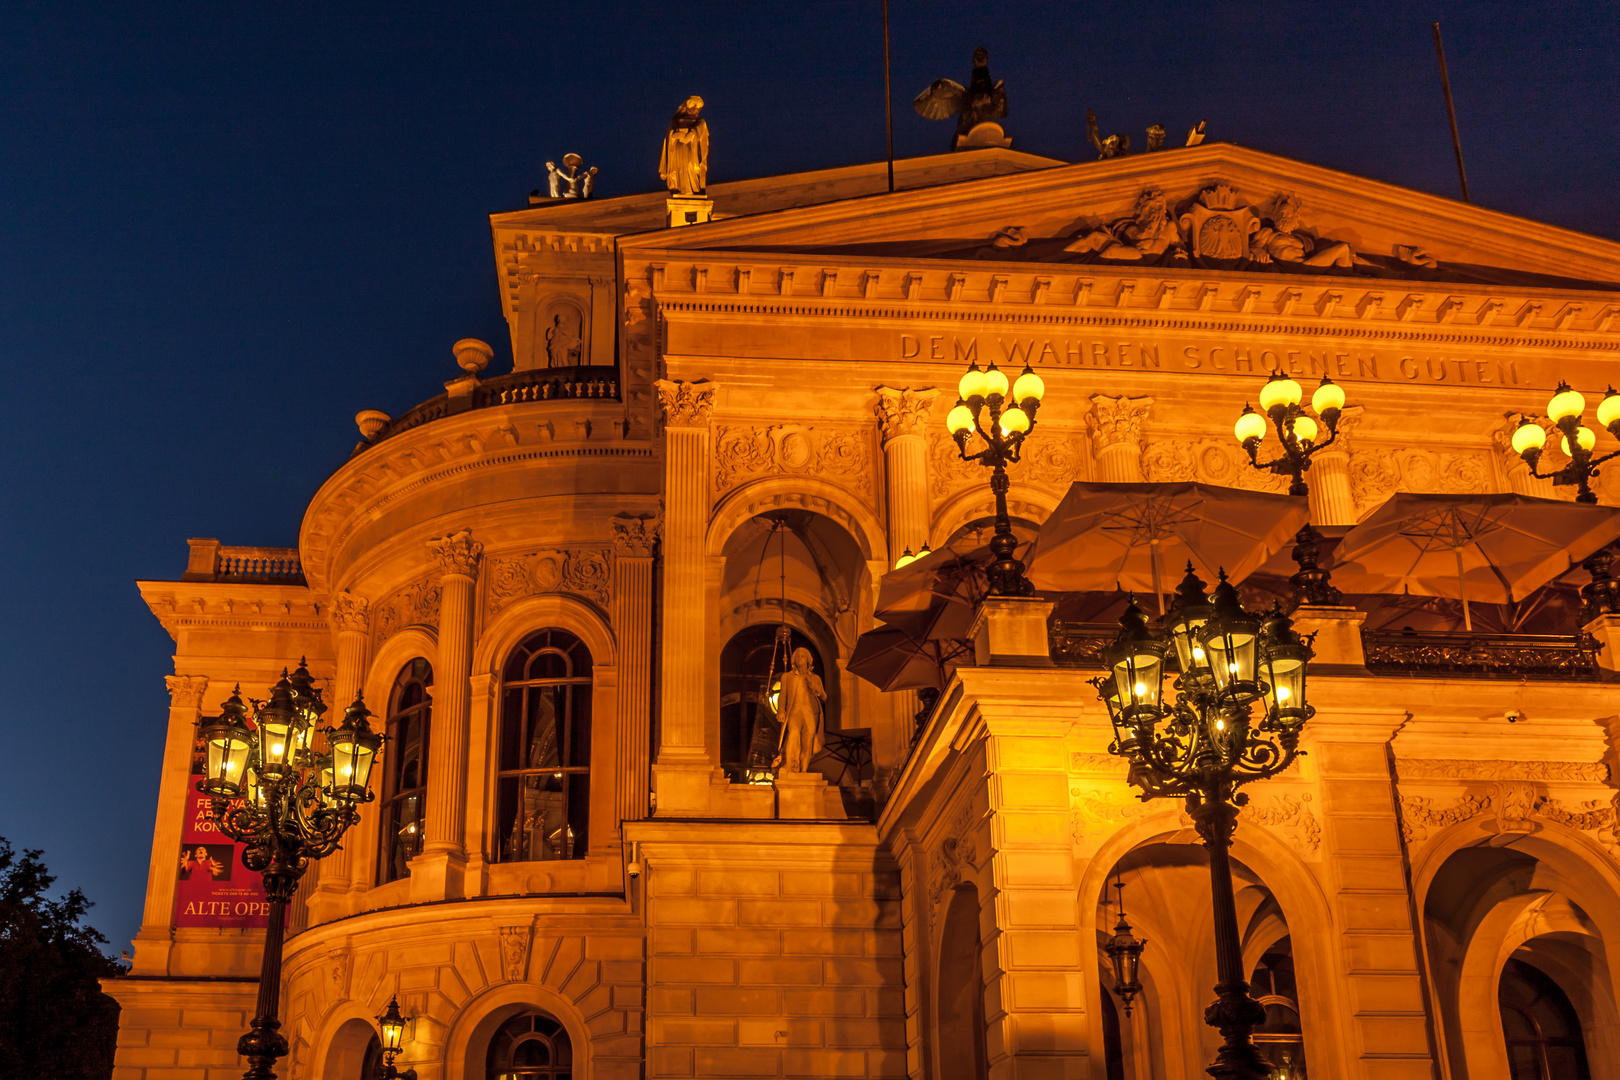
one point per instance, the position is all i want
(223, 233)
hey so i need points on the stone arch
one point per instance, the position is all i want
(467, 1043)
(1323, 1015)
(1030, 503)
(522, 617)
(796, 493)
(340, 1048)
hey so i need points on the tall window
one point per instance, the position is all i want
(545, 755)
(530, 1046)
(404, 788)
(1543, 1031)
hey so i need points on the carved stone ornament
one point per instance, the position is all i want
(1289, 814)
(636, 536)
(903, 412)
(1051, 458)
(1116, 420)
(584, 572)
(1515, 805)
(515, 941)
(186, 691)
(351, 613)
(1219, 462)
(686, 404)
(1594, 772)
(1218, 227)
(1082, 762)
(1376, 474)
(1095, 812)
(954, 853)
(457, 553)
(417, 604)
(841, 456)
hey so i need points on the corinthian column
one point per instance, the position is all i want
(634, 540)
(1115, 424)
(351, 623)
(903, 416)
(1329, 476)
(681, 774)
(438, 871)
(174, 803)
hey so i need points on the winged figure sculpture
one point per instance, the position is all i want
(978, 101)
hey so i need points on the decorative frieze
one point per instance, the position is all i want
(1514, 804)
(1050, 458)
(582, 571)
(1219, 462)
(1588, 772)
(842, 456)
(417, 604)
(686, 404)
(1289, 814)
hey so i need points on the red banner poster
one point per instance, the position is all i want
(214, 888)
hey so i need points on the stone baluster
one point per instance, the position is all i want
(681, 774)
(1519, 478)
(351, 623)
(1115, 424)
(439, 870)
(634, 541)
(1329, 476)
(153, 940)
(903, 418)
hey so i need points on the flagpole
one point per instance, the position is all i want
(888, 96)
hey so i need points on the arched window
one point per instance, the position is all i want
(530, 1046)
(545, 750)
(1279, 1039)
(1542, 1029)
(404, 786)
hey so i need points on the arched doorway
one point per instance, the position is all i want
(961, 1026)
(1540, 1026)
(530, 1046)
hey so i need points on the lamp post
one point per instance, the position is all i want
(1296, 430)
(392, 1025)
(1205, 745)
(1011, 417)
(274, 792)
(1565, 410)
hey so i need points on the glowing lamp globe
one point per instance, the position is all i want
(1231, 639)
(973, 384)
(1584, 436)
(906, 559)
(1279, 390)
(1014, 421)
(1528, 436)
(1608, 410)
(1250, 425)
(960, 419)
(995, 381)
(1029, 387)
(1305, 429)
(1330, 395)
(1565, 403)
(1136, 658)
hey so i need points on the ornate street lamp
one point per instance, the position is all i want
(1236, 718)
(392, 1024)
(1011, 416)
(1125, 955)
(1565, 410)
(273, 792)
(1296, 430)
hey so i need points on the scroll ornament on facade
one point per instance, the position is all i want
(1116, 420)
(636, 536)
(186, 691)
(350, 613)
(457, 553)
(904, 412)
(686, 404)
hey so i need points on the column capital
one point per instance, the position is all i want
(1116, 420)
(186, 691)
(903, 412)
(635, 536)
(686, 404)
(350, 613)
(457, 554)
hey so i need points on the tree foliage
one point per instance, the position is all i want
(54, 1019)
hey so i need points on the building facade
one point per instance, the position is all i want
(557, 588)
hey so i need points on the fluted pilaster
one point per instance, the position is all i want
(634, 541)
(351, 624)
(174, 791)
(903, 417)
(436, 872)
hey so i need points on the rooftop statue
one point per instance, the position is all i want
(684, 163)
(976, 103)
(568, 182)
(1111, 147)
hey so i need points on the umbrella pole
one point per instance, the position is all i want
(1153, 561)
(1462, 586)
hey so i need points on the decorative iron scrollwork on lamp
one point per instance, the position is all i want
(1577, 443)
(1296, 430)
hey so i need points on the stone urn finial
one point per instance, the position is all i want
(370, 422)
(473, 355)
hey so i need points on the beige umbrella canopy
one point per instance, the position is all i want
(1497, 548)
(1134, 536)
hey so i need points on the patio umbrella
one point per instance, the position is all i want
(1127, 536)
(935, 597)
(891, 659)
(1497, 547)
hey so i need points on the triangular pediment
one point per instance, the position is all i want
(1213, 207)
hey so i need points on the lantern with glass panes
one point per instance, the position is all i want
(1124, 950)
(1239, 707)
(1001, 415)
(392, 1025)
(1299, 433)
(288, 802)
(1577, 441)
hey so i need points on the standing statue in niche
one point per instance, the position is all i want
(976, 103)
(562, 343)
(800, 714)
(684, 163)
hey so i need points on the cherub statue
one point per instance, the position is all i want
(684, 163)
(977, 102)
(1282, 241)
(1146, 234)
(1111, 147)
(800, 714)
(568, 182)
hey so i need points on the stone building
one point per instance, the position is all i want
(559, 586)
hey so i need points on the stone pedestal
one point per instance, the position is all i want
(1011, 632)
(1606, 630)
(983, 136)
(807, 797)
(687, 210)
(1338, 633)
